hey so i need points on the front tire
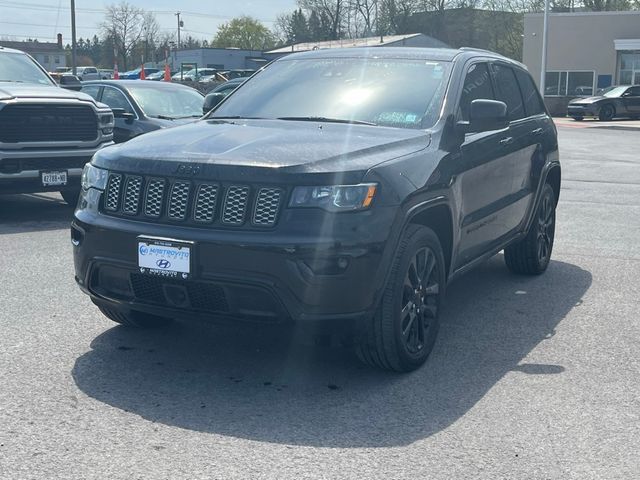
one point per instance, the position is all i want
(401, 334)
(531, 255)
(133, 318)
(607, 113)
(578, 119)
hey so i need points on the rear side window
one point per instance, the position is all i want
(509, 91)
(477, 84)
(634, 91)
(532, 102)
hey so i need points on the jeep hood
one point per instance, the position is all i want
(11, 90)
(275, 145)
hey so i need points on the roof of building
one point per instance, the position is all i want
(356, 42)
(33, 47)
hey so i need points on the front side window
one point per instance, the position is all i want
(17, 67)
(477, 85)
(116, 99)
(92, 90)
(402, 93)
(509, 91)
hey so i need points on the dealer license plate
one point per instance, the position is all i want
(164, 258)
(53, 178)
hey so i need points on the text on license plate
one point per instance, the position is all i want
(54, 178)
(162, 258)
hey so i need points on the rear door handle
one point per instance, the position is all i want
(537, 131)
(506, 141)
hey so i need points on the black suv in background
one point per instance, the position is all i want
(346, 187)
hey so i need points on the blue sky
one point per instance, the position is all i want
(42, 19)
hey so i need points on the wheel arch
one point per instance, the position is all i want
(554, 177)
(439, 219)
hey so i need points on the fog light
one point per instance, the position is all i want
(107, 131)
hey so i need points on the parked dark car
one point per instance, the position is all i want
(142, 107)
(336, 187)
(621, 101)
(215, 96)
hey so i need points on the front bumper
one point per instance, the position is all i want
(20, 170)
(333, 272)
(582, 110)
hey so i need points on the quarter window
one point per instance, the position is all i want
(509, 91)
(477, 85)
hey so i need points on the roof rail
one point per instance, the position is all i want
(473, 49)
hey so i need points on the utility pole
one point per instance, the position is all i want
(73, 38)
(179, 25)
(545, 35)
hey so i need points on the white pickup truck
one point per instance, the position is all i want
(47, 133)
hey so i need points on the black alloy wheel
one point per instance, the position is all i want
(532, 254)
(419, 300)
(606, 113)
(403, 331)
(546, 228)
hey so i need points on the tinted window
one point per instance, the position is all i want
(92, 90)
(477, 84)
(404, 93)
(532, 101)
(115, 99)
(508, 91)
(634, 91)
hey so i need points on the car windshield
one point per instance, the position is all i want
(402, 93)
(615, 92)
(17, 67)
(168, 102)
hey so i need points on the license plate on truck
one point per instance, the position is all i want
(53, 178)
(166, 258)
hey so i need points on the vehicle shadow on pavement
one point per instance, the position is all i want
(257, 384)
(34, 213)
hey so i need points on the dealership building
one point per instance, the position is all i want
(586, 51)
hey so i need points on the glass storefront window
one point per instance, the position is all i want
(569, 83)
(552, 83)
(629, 68)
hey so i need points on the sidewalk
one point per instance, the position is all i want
(620, 124)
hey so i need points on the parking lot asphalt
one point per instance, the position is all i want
(531, 378)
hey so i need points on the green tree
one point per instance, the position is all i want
(244, 32)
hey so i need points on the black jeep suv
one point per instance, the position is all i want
(345, 187)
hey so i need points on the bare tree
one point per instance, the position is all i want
(125, 24)
(333, 10)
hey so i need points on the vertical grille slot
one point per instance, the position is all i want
(131, 201)
(154, 197)
(235, 205)
(267, 206)
(205, 205)
(112, 198)
(179, 200)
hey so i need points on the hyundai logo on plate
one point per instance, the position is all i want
(164, 264)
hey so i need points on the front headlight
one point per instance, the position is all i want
(94, 177)
(334, 198)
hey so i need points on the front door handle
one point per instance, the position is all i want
(506, 141)
(537, 131)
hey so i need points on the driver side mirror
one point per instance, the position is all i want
(122, 113)
(211, 101)
(485, 116)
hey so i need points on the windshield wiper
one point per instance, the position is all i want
(328, 120)
(164, 117)
(236, 117)
(13, 81)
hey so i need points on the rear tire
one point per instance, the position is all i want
(70, 196)
(531, 255)
(401, 334)
(133, 318)
(607, 112)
